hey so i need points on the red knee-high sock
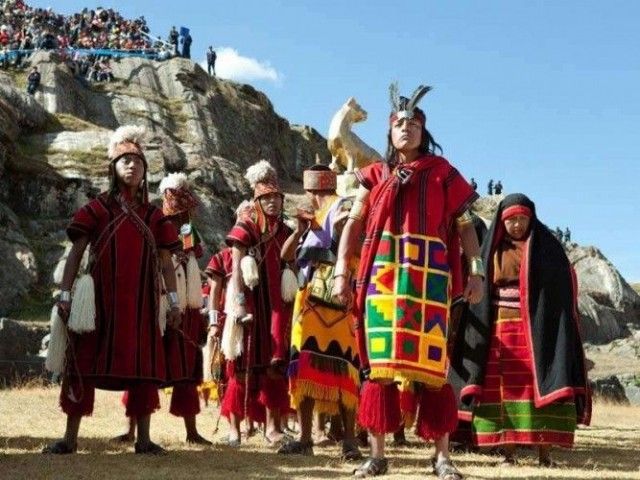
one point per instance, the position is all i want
(77, 397)
(379, 410)
(184, 400)
(438, 413)
(143, 400)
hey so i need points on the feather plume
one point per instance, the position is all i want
(419, 92)
(174, 181)
(260, 172)
(127, 133)
(394, 96)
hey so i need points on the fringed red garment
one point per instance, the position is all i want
(379, 410)
(438, 413)
(76, 397)
(143, 400)
(184, 400)
(233, 402)
(274, 393)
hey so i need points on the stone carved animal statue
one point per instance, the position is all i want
(348, 151)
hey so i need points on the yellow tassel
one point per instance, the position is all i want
(194, 287)
(57, 350)
(83, 308)
(327, 399)
(398, 375)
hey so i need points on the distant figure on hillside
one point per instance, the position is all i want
(211, 61)
(497, 189)
(490, 187)
(33, 81)
(173, 39)
(558, 233)
(567, 235)
(186, 42)
(473, 183)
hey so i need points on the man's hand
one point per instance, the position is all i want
(473, 291)
(342, 290)
(174, 319)
(64, 309)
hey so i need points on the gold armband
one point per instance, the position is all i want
(476, 267)
(358, 209)
(464, 219)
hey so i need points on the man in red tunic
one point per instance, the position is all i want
(130, 242)
(256, 368)
(413, 210)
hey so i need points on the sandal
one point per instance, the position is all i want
(198, 440)
(296, 447)
(124, 438)
(445, 470)
(547, 462)
(59, 448)
(372, 467)
(350, 451)
(150, 449)
(233, 442)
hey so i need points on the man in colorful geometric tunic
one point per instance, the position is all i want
(414, 210)
(130, 243)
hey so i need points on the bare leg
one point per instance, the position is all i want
(71, 432)
(130, 435)
(234, 428)
(544, 456)
(442, 448)
(509, 453)
(144, 425)
(192, 432)
(273, 432)
(305, 417)
(377, 445)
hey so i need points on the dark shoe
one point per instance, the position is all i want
(198, 440)
(372, 467)
(445, 470)
(295, 447)
(150, 449)
(124, 438)
(350, 451)
(547, 462)
(59, 448)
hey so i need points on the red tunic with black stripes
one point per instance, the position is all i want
(126, 346)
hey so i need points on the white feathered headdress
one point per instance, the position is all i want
(175, 181)
(263, 178)
(126, 139)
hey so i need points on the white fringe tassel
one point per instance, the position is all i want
(181, 285)
(56, 353)
(250, 273)
(163, 308)
(288, 285)
(194, 285)
(231, 344)
(83, 308)
(207, 353)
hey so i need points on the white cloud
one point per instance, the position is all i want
(231, 65)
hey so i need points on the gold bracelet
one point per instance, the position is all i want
(464, 219)
(476, 266)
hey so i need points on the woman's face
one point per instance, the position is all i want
(406, 134)
(271, 204)
(517, 226)
(130, 170)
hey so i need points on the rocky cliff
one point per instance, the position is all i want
(53, 153)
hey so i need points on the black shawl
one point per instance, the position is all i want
(548, 299)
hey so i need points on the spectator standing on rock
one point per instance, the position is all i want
(211, 61)
(558, 233)
(567, 235)
(497, 189)
(473, 183)
(33, 81)
(490, 187)
(173, 39)
(515, 391)
(186, 43)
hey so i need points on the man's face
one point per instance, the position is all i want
(130, 170)
(406, 134)
(271, 204)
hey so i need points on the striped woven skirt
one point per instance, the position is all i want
(506, 413)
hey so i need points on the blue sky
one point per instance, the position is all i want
(542, 95)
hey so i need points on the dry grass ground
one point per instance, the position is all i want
(29, 419)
